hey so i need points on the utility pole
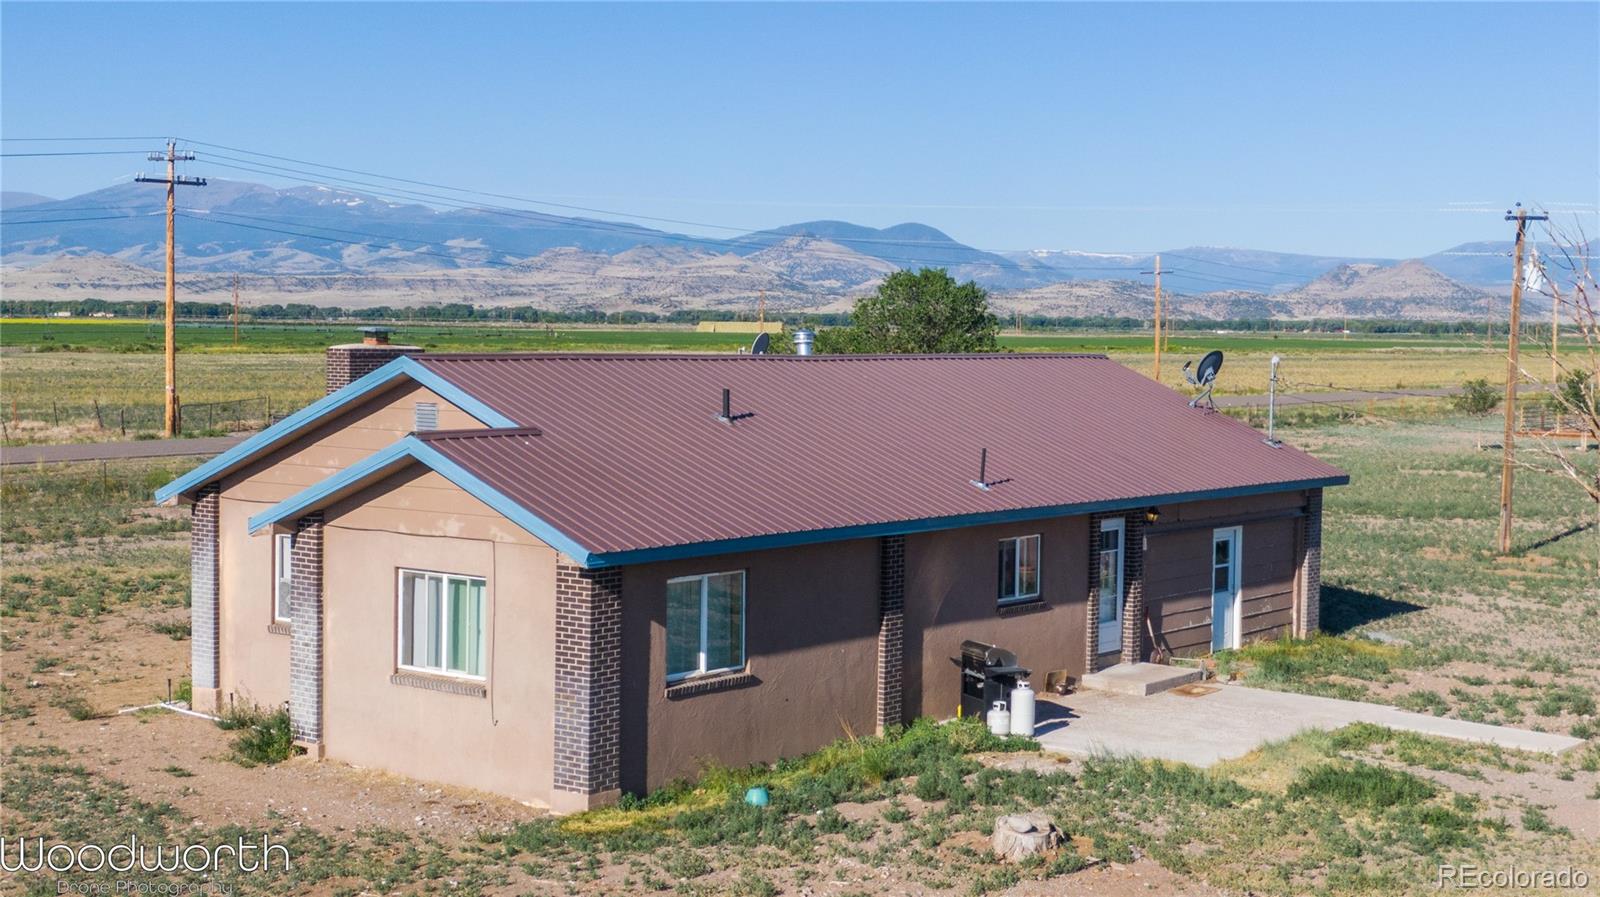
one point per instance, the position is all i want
(1507, 472)
(1157, 273)
(236, 309)
(172, 420)
(761, 310)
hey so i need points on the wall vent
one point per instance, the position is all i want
(427, 417)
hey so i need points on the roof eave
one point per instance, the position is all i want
(934, 524)
(294, 424)
(401, 454)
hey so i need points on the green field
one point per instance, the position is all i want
(114, 335)
(90, 380)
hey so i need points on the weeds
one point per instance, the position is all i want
(265, 736)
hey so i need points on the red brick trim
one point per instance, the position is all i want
(588, 693)
(1021, 608)
(346, 364)
(1133, 633)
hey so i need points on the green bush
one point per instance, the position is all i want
(1477, 397)
(264, 738)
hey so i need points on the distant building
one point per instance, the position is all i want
(739, 327)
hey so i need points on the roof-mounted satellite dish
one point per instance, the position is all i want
(1203, 375)
(763, 341)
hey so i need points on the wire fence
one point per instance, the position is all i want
(231, 416)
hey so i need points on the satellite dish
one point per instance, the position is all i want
(1203, 375)
(763, 340)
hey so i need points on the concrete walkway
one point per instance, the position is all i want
(118, 451)
(1234, 720)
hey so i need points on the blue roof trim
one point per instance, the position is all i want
(932, 524)
(403, 366)
(405, 451)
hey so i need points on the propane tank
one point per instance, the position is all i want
(999, 719)
(1022, 709)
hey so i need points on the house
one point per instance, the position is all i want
(560, 577)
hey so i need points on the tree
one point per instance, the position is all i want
(917, 312)
(1570, 282)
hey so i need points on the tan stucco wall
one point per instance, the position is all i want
(254, 662)
(1178, 570)
(502, 742)
(811, 630)
(952, 592)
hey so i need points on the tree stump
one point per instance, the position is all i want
(1023, 835)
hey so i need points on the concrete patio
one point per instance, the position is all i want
(1234, 720)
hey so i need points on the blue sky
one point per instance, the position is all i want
(1342, 129)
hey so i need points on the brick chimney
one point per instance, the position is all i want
(352, 361)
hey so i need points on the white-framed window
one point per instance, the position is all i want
(442, 624)
(282, 575)
(1019, 569)
(705, 624)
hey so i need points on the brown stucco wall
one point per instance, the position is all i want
(811, 641)
(253, 662)
(501, 742)
(1178, 569)
(951, 595)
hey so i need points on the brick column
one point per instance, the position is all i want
(891, 631)
(305, 637)
(1133, 650)
(1308, 617)
(205, 614)
(588, 693)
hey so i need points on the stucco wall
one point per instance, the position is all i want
(501, 742)
(254, 663)
(952, 595)
(1178, 570)
(811, 629)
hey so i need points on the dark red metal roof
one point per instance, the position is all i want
(631, 455)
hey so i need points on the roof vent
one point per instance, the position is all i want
(803, 340)
(426, 418)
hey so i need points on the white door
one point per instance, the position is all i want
(1225, 588)
(1109, 611)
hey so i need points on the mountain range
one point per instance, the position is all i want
(322, 245)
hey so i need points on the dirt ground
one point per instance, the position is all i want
(119, 663)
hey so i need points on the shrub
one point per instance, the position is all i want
(264, 738)
(1477, 397)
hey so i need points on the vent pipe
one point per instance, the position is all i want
(803, 340)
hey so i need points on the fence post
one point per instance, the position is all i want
(55, 414)
(99, 423)
(122, 420)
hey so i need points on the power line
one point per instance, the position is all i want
(86, 218)
(88, 153)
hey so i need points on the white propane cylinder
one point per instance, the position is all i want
(999, 719)
(1022, 709)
